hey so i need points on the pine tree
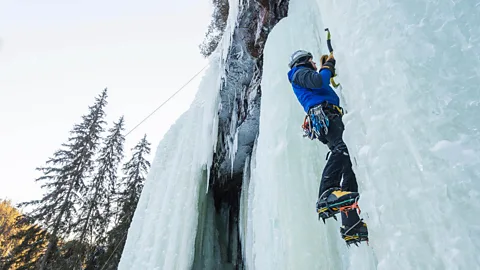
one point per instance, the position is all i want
(135, 171)
(216, 27)
(67, 255)
(8, 217)
(21, 243)
(30, 242)
(96, 211)
(64, 175)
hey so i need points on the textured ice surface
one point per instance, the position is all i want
(410, 77)
(162, 234)
(163, 231)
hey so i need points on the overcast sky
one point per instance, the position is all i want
(56, 56)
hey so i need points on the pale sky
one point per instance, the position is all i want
(56, 56)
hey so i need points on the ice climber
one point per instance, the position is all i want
(324, 122)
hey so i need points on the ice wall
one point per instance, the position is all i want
(163, 230)
(410, 76)
(282, 229)
(188, 212)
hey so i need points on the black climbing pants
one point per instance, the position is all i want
(339, 163)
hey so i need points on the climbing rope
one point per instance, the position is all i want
(141, 122)
(161, 105)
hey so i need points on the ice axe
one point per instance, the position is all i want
(324, 57)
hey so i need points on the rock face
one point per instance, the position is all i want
(240, 92)
(238, 125)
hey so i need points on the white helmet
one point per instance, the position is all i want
(299, 57)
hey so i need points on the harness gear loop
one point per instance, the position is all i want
(319, 120)
(316, 120)
(307, 128)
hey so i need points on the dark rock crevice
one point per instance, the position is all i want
(240, 91)
(238, 125)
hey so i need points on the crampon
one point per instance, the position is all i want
(355, 240)
(326, 210)
(355, 234)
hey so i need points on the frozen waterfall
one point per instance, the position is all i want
(410, 76)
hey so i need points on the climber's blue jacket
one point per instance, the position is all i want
(312, 87)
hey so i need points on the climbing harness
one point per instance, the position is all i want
(319, 120)
(316, 120)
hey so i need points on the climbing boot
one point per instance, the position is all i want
(334, 201)
(355, 234)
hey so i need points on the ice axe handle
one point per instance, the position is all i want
(330, 49)
(329, 45)
(329, 41)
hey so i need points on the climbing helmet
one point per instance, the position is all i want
(299, 57)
